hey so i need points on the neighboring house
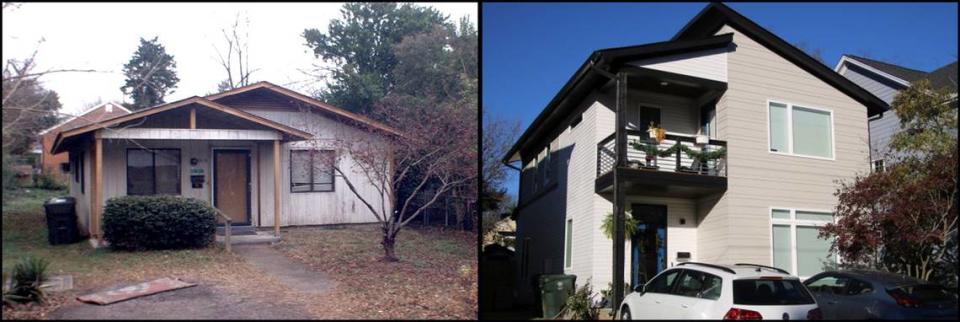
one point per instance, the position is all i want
(58, 164)
(255, 152)
(790, 126)
(885, 80)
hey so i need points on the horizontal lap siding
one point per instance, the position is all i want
(758, 179)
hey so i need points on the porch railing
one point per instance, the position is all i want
(226, 228)
(677, 161)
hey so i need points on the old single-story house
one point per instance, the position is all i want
(256, 153)
(58, 165)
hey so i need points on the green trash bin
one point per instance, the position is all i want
(554, 291)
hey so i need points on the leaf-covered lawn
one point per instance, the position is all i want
(25, 234)
(436, 277)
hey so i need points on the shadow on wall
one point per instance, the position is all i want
(541, 227)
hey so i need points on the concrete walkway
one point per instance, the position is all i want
(291, 273)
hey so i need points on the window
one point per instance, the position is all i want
(828, 285)
(795, 243)
(770, 292)
(663, 283)
(800, 130)
(649, 115)
(878, 165)
(569, 248)
(153, 171)
(700, 285)
(311, 170)
(547, 167)
(78, 169)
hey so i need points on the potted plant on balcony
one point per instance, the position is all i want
(704, 157)
(656, 133)
(651, 151)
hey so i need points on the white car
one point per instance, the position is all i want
(729, 292)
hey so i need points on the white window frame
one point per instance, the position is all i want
(883, 165)
(833, 136)
(793, 223)
(568, 245)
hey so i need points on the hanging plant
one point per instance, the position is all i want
(629, 225)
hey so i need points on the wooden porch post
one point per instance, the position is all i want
(96, 189)
(276, 187)
(193, 118)
(619, 211)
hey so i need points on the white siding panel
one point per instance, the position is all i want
(708, 64)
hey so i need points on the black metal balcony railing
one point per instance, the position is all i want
(676, 161)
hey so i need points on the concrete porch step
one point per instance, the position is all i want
(256, 238)
(237, 230)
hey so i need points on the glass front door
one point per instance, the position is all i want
(649, 243)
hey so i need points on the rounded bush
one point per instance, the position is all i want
(158, 222)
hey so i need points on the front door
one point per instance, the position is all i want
(231, 184)
(649, 243)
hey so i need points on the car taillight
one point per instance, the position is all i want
(815, 314)
(741, 314)
(902, 299)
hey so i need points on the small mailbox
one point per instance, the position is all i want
(196, 177)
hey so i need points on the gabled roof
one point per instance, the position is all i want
(591, 73)
(317, 104)
(907, 74)
(698, 34)
(175, 105)
(83, 119)
(716, 15)
(945, 76)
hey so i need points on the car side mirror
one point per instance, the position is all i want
(638, 288)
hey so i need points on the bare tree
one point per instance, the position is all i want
(435, 154)
(237, 45)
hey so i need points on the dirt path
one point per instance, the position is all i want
(204, 301)
(293, 274)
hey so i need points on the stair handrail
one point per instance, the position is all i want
(226, 227)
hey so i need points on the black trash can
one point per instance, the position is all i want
(61, 220)
(554, 291)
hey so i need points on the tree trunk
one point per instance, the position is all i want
(389, 241)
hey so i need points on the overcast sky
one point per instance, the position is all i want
(103, 36)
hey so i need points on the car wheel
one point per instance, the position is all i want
(625, 313)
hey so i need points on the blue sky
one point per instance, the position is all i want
(531, 50)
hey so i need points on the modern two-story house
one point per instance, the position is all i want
(752, 135)
(886, 80)
(261, 154)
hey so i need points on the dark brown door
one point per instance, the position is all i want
(231, 184)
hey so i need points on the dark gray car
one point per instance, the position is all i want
(859, 294)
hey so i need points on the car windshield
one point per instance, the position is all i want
(770, 292)
(927, 293)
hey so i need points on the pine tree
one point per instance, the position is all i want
(151, 75)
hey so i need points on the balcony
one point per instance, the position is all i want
(670, 171)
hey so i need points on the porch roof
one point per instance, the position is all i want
(594, 73)
(66, 138)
